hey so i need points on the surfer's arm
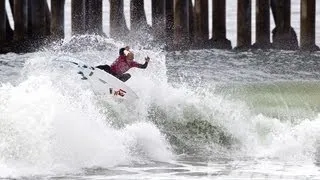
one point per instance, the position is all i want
(143, 66)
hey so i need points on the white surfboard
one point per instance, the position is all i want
(104, 83)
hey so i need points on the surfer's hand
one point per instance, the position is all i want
(147, 59)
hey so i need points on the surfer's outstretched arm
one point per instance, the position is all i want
(145, 65)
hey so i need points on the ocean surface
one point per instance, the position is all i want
(201, 114)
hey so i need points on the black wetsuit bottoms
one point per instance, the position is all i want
(123, 77)
(106, 68)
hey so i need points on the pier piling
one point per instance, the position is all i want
(178, 24)
(308, 20)
(20, 20)
(262, 24)
(219, 39)
(284, 36)
(57, 19)
(244, 24)
(93, 17)
(191, 24)
(38, 19)
(138, 19)
(181, 24)
(118, 26)
(78, 16)
(3, 19)
(158, 20)
(201, 24)
(169, 23)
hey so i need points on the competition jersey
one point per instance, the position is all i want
(121, 65)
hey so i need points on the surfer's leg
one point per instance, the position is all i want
(124, 77)
(106, 68)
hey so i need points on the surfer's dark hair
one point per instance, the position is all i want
(121, 51)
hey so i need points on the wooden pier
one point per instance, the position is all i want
(179, 24)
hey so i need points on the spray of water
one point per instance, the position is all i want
(52, 122)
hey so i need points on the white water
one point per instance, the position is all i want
(51, 121)
(51, 124)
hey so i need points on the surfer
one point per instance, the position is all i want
(123, 63)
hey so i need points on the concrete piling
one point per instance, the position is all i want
(78, 16)
(3, 19)
(201, 24)
(57, 19)
(262, 24)
(38, 19)
(138, 19)
(47, 19)
(284, 36)
(20, 19)
(93, 17)
(169, 23)
(9, 31)
(307, 21)
(118, 26)
(158, 20)
(191, 24)
(219, 39)
(244, 24)
(181, 24)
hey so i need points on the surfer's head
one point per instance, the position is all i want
(122, 50)
(130, 56)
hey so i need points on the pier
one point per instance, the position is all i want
(179, 24)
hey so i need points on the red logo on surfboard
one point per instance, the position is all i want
(120, 92)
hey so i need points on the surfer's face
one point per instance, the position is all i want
(130, 56)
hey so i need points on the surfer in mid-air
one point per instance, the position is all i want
(123, 63)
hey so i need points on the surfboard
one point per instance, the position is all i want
(104, 83)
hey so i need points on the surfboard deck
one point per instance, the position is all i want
(104, 83)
